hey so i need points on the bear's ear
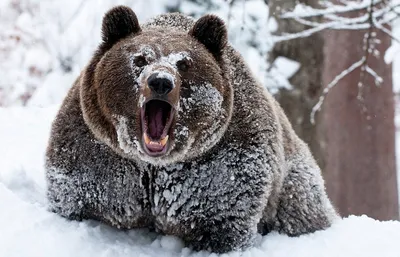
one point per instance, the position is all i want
(118, 23)
(210, 30)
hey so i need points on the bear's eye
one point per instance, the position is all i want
(140, 61)
(184, 64)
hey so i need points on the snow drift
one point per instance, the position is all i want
(28, 229)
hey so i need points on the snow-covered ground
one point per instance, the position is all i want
(28, 229)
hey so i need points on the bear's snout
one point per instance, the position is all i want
(160, 83)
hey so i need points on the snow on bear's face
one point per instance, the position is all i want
(165, 91)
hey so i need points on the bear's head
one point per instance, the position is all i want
(158, 94)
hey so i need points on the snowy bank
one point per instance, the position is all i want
(28, 229)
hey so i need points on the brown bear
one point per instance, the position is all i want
(167, 128)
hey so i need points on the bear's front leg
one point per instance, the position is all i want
(223, 235)
(63, 194)
(304, 206)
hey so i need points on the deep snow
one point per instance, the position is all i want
(28, 229)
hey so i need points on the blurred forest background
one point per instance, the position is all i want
(331, 64)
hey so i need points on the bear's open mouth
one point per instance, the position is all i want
(156, 119)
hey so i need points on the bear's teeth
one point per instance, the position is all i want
(146, 138)
(164, 140)
(148, 141)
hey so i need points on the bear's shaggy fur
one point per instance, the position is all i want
(232, 166)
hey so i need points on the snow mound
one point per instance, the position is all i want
(28, 229)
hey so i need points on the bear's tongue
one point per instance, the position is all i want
(155, 124)
(157, 113)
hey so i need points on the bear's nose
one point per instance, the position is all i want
(160, 83)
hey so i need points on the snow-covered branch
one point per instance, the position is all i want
(334, 17)
(378, 79)
(304, 11)
(333, 83)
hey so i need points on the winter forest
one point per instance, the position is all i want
(332, 65)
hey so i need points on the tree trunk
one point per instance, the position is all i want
(360, 167)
